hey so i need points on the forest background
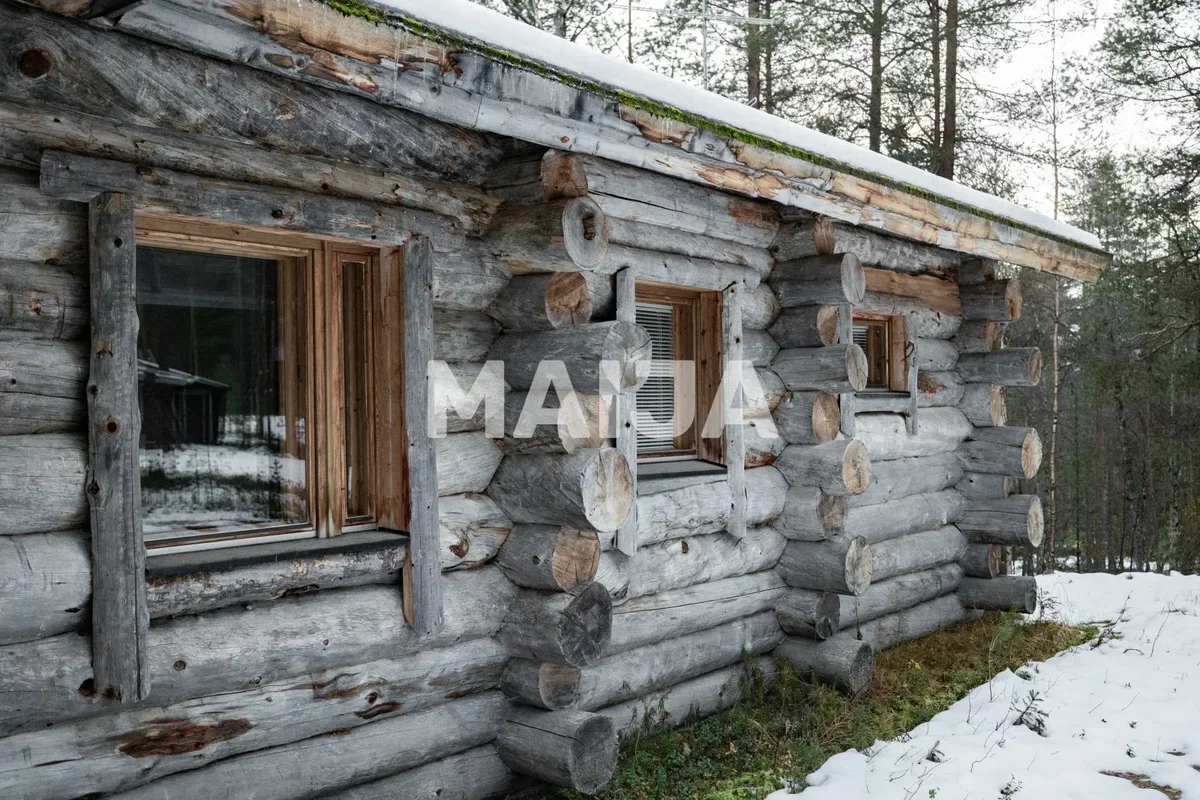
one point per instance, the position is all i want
(1087, 110)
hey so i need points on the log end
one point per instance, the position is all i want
(826, 418)
(854, 279)
(574, 749)
(586, 626)
(831, 509)
(1013, 299)
(829, 320)
(856, 467)
(568, 300)
(583, 420)
(1031, 454)
(575, 558)
(585, 232)
(558, 685)
(859, 566)
(1037, 522)
(594, 754)
(856, 367)
(1035, 367)
(607, 489)
(997, 408)
(829, 616)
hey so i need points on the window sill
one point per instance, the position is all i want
(883, 400)
(664, 476)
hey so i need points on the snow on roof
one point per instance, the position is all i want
(471, 21)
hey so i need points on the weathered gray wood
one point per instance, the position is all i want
(562, 628)
(1015, 520)
(470, 775)
(886, 436)
(842, 564)
(917, 552)
(904, 515)
(554, 300)
(984, 405)
(773, 392)
(976, 270)
(841, 661)
(982, 560)
(836, 369)
(813, 615)
(581, 421)
(626, 414)
(978, 336)
(42, 479)
(549, 557)
(589, 489)
(934, 355)
(808, 326)
(165, 191)
(190, 657)
(541, 684)
(574, 749)
(885, 402)
(466, 277)
(462, 335)
(472, 530)
(42, 384)
(806, 237)
(37, 228)
(134, 747)
(994, 301)
(819, 280)
(558, 236)
(758, 347)
(686, 562)
(581, 349)
(759, 307)
(735, 434)
(31, 413)
(987, 485)
(679, 612)
(120, 619)
(45, 585)
(701, 508)
(897, 594)
(808, 417)
(911, 623)
(922, 321)
(662, 664)
(462, 462)
(904, 477)
(762, 442)
(936, 389)
(838, 467)
(1003, 451)
(322, 764)
(1014, 366)
(41, 301)
(809, 514)
(1008, 593)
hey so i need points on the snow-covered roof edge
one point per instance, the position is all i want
(463, 23)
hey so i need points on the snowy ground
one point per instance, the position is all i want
(1130, 707)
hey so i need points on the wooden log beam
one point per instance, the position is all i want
(462, 335)
(939, 294)
(917, 552)
(581, 421)
(42, 385)
(561, 628)
(698, 509)
(554, 300)
(992, 301)
(808, 326)
(840, 467)
(979, 336)
(478, 772)
(1009, 593)
(467, 277)
(819, 280)
(680, 563)
(984, 405)
(808, 417)
(42, 479)
(911, 623)
(541, 684)
(904, 515)
(758, 347)
(806, 237)
(842, 564)
(582, 349)
(811, 614)
(982, 561)
(905, 477)
(842, 661)
(574, 749)
(625, 414)
(1014, 366)
(588, 490)
(1003, 451)
(45, 584)
(987, 485)
(936, 389)
(760, 307)
(550, 557)
(886, 436)
(40, 229)
(810, 515)
(934, 355)
(898, 593)
(836, 369)
(463, 462)
(1015, 520)
(922, 320)
(42, 301)
(472, 530)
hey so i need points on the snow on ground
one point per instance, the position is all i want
(1129, 706)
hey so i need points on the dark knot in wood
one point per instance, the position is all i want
(171, 737)
(35, 63)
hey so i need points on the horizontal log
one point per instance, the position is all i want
(574, 749)
(904, 515)
(939, 294)
(549, 557)
(921, 320)
(41, 483)
(982, 561)
(472, 529)
(835, 369)
(465, 462)
(758, 347)
(836, 279)
(987, 485)
(1009, 593)
(554, 300)
(773, 392)
(1003, 451)
(983, 404)
(977, 270)
(911, 623)
(761, 442)
(541, 684)
(842, 564)
(935, 389)
(663, 664)
(842, 661)
(48, 680)
(42, 301)
(465, 276)
(1014, 366)
(934, 355)
(558, 236)
(45, 584)
(759, 307)
(882, 402)
(653, 618)
(808, 326)
(31, 413)
(905, 477)
(686, 562)
(134, 747)
(470, 775)
(993, 301)
(978, 336)
(886, 436)
(917, 552)
(811, 614)
(839, 467)
(43, 368)
(808, 417)
(579, 421)
(38, 228)
(582, 349)
(590, 489)
(462, 335)
(1015, 520)
(561, 628)
(809, 514)
(897, 594)
(805, 237)
(325, 763)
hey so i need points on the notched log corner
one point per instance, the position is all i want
(172, 737)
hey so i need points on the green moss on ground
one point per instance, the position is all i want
(782, 732)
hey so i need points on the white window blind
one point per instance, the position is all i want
(860, 336)
(656, 398)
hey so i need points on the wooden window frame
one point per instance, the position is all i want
(385, 450)
(896, 362)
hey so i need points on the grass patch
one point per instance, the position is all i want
(782, 732)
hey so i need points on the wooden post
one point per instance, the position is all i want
(423, 569)
(626, 415)
(120, 619)
(735, 435)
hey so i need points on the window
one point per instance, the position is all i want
(884, 340)
(257, 385)
(685, 374)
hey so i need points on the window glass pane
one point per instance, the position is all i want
(222, 385)
(656, 398)
(872, 337)
(356, 357)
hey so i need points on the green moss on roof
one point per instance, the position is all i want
(357, 8)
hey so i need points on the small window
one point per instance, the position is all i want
(685, 372)
(256, 385)
(883, 338)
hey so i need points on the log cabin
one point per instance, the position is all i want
(238, 558)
